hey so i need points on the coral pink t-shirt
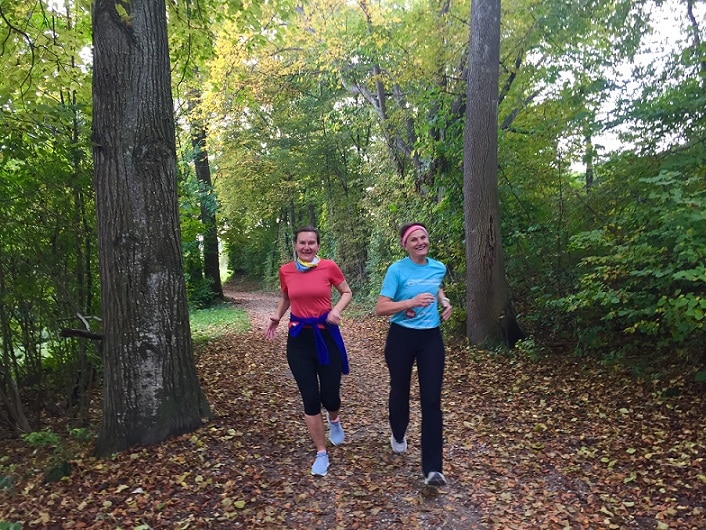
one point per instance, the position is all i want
(310, 292)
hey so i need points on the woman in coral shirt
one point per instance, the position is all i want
(315, 350)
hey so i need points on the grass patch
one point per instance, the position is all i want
(213, 322)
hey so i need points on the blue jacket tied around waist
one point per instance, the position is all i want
(321, 348)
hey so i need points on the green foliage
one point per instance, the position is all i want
(59, 465)
(49, 438)
(531, 349)
(81, 434)
(7, 474)
(641, 288)
(296, 133)
(6, 483)
(192, 197)
(311, 172)
(254, 252)
(48, 270)
(43, 439)
(199, 291)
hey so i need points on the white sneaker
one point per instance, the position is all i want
(336, 434)
(434, 478)
(320, 466)
(398, 447)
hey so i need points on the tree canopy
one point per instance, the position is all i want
(350, 116)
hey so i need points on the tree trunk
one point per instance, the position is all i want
(9, 393)
(151, 389)
(211, 263)
(490, 319)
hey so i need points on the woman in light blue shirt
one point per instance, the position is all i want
(411, 296)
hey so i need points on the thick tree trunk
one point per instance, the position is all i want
(490, 319)
(151, 389)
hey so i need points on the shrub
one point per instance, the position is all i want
(642, 282)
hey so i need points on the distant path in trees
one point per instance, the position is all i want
(367, 486)
(248, 296)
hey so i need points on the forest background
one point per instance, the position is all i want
(350, 116)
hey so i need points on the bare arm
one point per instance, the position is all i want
(445, 305)
(385, 306)
(282, 306)
(334, 316)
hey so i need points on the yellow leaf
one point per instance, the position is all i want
(123, 14)
(43, 518)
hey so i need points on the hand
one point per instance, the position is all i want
(446, 313)
(272, 328)
(334, 317)
(423, 300)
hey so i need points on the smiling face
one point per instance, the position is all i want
(417, 245)
(306, 246)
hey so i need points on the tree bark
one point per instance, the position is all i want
(151, 389)
(9, 393)
(211, 262)
(490, 318)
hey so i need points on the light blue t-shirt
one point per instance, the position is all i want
(405, 279)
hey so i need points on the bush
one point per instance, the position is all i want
(59, 465)
(642, 283)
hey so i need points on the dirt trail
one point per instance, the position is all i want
(367, 486)
(560, 443)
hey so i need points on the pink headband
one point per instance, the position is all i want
(410, 230)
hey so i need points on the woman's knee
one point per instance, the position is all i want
(331, 404)
(312, 408)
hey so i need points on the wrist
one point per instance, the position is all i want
(275, 320)
(445, 300)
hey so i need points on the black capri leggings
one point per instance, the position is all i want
(318, 384)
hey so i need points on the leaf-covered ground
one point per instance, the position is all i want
(549, 445)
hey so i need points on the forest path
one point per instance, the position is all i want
(367, 485)
(556, 442)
